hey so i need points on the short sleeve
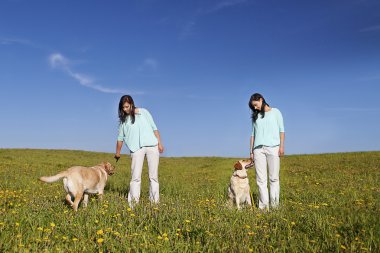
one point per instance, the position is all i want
(120, 137)
(150, 119)
(280, 122)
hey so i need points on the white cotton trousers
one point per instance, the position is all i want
(267, 160)
(153, 157)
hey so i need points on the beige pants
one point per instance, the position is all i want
(153, 157)
(267, 159)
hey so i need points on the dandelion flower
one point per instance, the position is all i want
(100, 240)
(99, 232)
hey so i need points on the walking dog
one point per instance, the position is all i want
(79, 181)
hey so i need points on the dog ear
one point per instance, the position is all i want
(238, 166)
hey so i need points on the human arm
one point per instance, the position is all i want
(119, 142)
(160, 146)
(280, 121)
(119, 145)
(252, 141)
(281, 150)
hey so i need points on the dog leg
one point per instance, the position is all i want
(78, 198)
(249, 199)
(85, 200)
(68, 200)
(230, 201)
(237, 200)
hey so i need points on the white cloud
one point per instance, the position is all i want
(58, 61)
(148, 64)
(188, 28)
(8, 41)
(225, 4)
(375, 28)
(82, 79)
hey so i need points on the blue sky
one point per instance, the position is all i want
(193, 65)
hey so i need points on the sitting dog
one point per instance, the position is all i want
(239, 190)
(79, 181)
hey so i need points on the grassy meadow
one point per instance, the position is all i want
(329, 203)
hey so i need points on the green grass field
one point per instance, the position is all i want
(329, 203)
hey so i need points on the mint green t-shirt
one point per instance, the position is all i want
(140, 134)
(266, 131)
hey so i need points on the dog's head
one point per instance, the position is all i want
(246, 164)
(109, 168)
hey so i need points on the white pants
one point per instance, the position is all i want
(153, 157)
(267, 156)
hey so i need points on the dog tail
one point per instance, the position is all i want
(54, 178)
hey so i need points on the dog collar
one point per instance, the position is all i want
(240, 177)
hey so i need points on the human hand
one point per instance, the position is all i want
(160, 148)
(281, 151)
(117, 157)
(251, 157)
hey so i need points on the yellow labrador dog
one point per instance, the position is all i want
(239, 190)
(79, 181)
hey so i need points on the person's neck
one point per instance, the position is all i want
(267, 108)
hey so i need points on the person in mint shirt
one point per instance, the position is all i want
(140, 134)
(266, 147)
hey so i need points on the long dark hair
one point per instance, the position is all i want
(255, 113)
(122, 115)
